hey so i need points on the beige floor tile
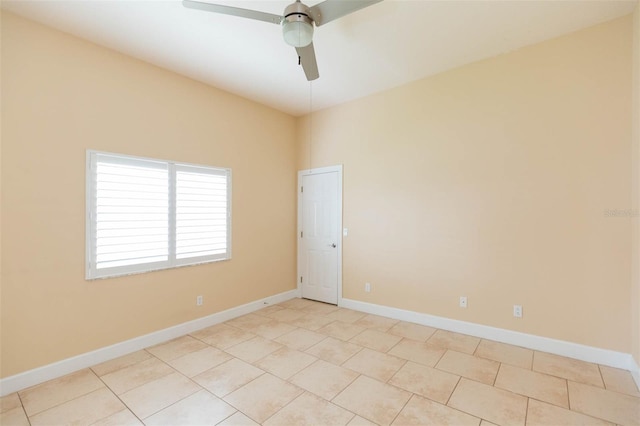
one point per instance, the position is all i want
(176, 348)
(223, 336)
(254, 349)
(263, 397)
(85, 409)
(375, 364)
(320, 308)
(486, 423)
(265, 312)
(376, 340)
(201, 408)
(135, 375)
(285, 362)
(456, 341)
(14, 417)
(121, 362)
(373, 400)
(300, 339)
(9, 402)
(296, 303)
(324, 379)
(308, 409)
(197, 362)
(420, 411)
(54, 392)
(604, 404)
(469, 366)
(568, 368)
(341, 330)
(542, 414)
(359, 421)
(238, 419)
(412, 331)
(533, 384)
(376, 322)
(619, 380)
(493, 404)
(272, 329)
(285, 314)
(248, 322)
(121, 418)
(507, 354)
(152, 397)
(346, 315)
(227, 377)
(425, 381)
(334, 350)
(419, 352)
(312, 322)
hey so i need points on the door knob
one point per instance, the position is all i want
(333, 245)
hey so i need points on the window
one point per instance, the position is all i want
(146, 214)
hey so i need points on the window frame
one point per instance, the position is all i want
(172, 167)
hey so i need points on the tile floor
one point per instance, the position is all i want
(303, 362)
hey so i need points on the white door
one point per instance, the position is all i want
(319, 225)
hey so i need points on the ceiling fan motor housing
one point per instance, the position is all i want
(297, 26)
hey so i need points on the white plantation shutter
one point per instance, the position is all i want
(146, 214)
(201, 213)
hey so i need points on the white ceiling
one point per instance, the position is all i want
(377, 48)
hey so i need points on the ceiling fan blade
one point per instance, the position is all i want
(308, 61)
(329, 10)
(235, 11)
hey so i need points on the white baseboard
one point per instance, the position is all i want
(559, 347)
(42, 374)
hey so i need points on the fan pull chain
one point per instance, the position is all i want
(310, 122)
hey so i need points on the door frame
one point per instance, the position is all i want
(317, 171)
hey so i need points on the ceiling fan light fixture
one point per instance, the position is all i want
(297, 32)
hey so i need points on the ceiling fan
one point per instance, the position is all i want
(297, 23)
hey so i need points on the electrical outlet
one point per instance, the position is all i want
(199, 301)
(367, 287)
(463, 301)
(517, 311)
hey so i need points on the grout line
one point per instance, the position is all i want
(403, 406)
(23, 409)
(495, 378)
(230, 415)
(63, 402)
(604, 384)
(290, 402)
(476, 349)
(118, 396)
(453, 391)
(394, 374)
(440, 358)
(396, 344)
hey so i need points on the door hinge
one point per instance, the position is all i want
(301, 233)
(302, 189)
(300, 279)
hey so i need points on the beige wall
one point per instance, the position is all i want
(491, 181)
(62, 96)
(635, 291)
